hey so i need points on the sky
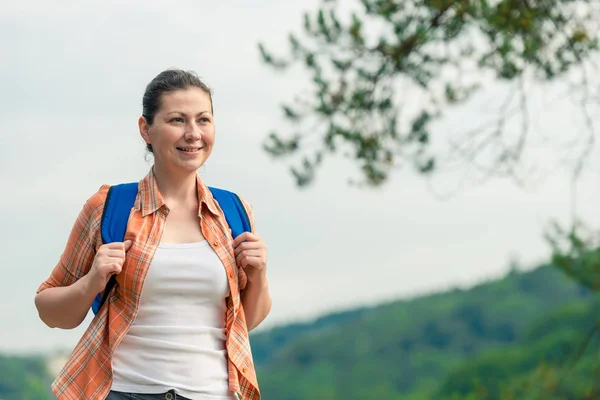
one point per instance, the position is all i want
(72, 79)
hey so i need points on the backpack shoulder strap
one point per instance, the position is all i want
(119, 201)
(117, 207)
(235, 213)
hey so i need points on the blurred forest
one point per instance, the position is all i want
(530, 335)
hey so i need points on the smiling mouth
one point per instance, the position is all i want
(189, 149)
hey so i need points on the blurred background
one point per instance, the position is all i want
(424, 173)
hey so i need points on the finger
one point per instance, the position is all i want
(127, 244)
(252, 261)
(114, 246)
(111, 253)
(239, 239)
(106, 262)
(116, 268)
(247, 246)
(246, 236)
(246, 253)
(240, 259)
(111, 269)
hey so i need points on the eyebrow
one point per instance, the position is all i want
(182, 113)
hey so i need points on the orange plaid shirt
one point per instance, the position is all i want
(88, 372)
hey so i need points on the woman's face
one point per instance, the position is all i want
(183, 132)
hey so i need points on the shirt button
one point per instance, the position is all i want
(230, 275)
(215, 243)
(244, 370)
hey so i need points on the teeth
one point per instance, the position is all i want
(188, 148)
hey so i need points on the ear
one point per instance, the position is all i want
(144, 129)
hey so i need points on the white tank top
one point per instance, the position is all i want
(177, 340)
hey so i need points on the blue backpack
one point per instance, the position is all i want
(118, 205)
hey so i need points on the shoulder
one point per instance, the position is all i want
(95, 203)
(218, 193)
(91, 214)
(98, 199)
(230, 194)
(247, 205)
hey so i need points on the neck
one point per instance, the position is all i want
(175, 188)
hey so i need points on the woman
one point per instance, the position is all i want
(177, 325)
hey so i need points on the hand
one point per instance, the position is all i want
(250, 253)
(108, 261)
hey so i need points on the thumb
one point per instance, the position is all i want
(127, 244)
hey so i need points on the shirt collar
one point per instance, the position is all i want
(150, 199)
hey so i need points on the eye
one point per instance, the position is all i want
(205, 120)
(177, 119)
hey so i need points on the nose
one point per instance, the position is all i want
(193, 132)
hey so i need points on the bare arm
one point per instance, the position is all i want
(256, 299)
(251, 255)
(64, 298)
(65, 307)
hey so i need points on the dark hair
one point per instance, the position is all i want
(165, 82)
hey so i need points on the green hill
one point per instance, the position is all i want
(432, 347)
(24, 378)
(513, 338)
